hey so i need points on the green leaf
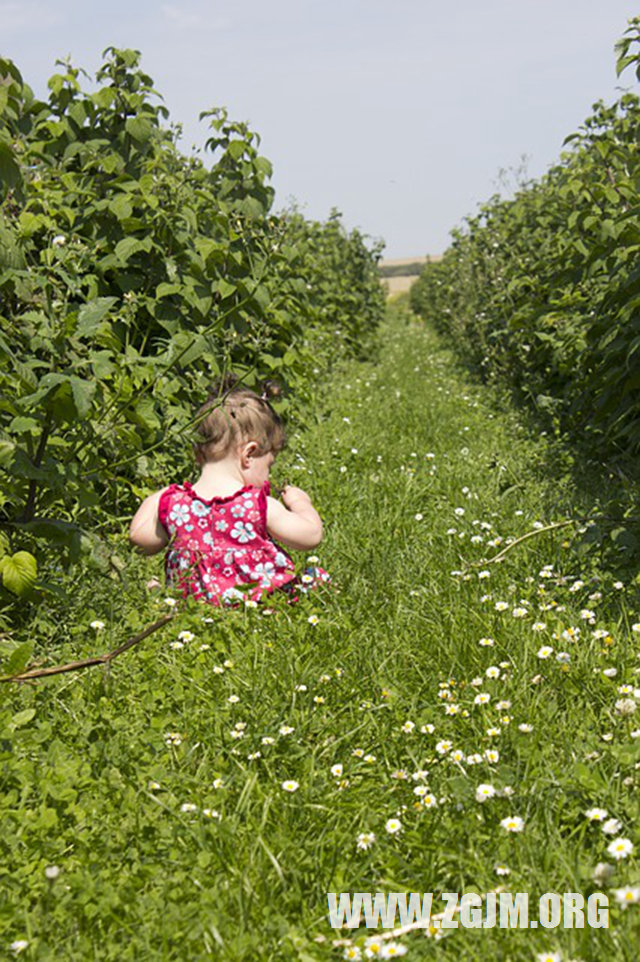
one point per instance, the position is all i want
(9, 170)
(139, 128)
(121, 207)
(20, 658)
(92, 314)
(6, 452)
(225, 288)
(83, 393)
(126, 247)
(19, 572)
(22, 717)
(58, 532)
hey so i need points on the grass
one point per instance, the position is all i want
(171, 842)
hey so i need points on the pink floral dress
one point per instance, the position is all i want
(218, 545)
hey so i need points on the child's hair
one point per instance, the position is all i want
(238, 414)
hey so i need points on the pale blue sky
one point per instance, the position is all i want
(398, 113)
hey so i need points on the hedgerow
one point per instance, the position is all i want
(130, 276)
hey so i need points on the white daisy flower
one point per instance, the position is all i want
(627, 896)
(365, 840)
(612, 826)
(620, 848)
(513, 823)
(393, 825)
(483, 792)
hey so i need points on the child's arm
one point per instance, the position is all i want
(146, 530)
(298, 525)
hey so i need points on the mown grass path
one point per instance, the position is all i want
(156, 790)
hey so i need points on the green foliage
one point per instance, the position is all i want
(143, 809)
(130, 276)
(542, 291)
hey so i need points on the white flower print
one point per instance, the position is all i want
(221, 525)
(237, 510)
(280, 560)
(180, 513)
(243, 532)
(199, 509)
(231, 594)
(265, 572)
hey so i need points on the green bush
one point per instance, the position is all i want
(130, 276)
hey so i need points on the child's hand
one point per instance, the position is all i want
(291, 495)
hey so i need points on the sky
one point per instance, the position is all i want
(401, 114)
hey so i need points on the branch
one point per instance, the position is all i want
(96, 659)
(529, 534)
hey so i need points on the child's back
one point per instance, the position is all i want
(221, 543)
(219, 531)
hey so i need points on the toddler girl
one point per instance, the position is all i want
(220, 531)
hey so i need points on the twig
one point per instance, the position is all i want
(96, 659)
(529, 534)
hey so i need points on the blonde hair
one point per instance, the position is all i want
(235, 415)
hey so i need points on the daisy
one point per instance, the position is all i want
(513, 823)
(97, 625)
(408, 726)
(620, 848)
(392, 950)
(611, 826)
(596, 814)
(290, 786)
(20, 944)
(627, 896)
(483, 792)
(393, 825)
(365, 840)
(336, 771)
(545, 651)
(352, 952)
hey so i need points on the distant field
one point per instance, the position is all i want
(399, 274)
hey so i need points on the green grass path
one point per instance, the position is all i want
(156, 790)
